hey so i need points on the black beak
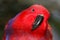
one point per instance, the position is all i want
(37, 22)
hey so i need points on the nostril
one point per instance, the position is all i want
(33, 10)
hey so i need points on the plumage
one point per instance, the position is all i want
(30, 24)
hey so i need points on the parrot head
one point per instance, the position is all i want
(33, 21)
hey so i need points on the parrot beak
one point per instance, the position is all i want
(37, 22)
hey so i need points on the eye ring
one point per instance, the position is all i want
(41, 14)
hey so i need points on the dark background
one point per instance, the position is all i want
(9, 8)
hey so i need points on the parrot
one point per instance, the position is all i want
(29, 24)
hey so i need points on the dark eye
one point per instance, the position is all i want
(33, 10)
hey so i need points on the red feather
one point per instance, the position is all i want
(20, 28)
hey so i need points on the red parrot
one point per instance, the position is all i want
(30, 24)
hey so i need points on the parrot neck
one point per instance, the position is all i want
(26, 36)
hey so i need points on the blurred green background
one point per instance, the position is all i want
(9, 8)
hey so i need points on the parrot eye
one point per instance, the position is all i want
(33, 10)
(37, 22)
